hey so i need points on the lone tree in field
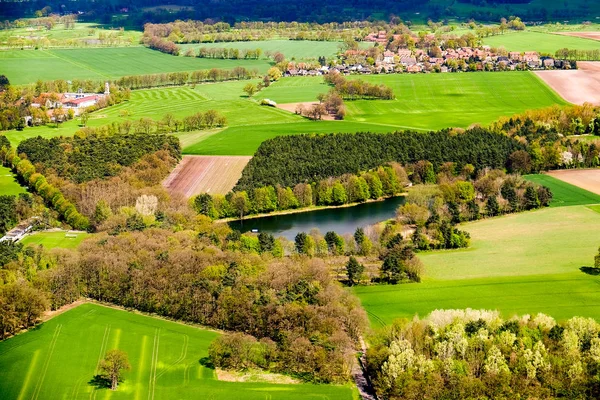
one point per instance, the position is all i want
(113, 365)
(250, 89)
(597, 260)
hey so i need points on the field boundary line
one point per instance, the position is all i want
(38, 387)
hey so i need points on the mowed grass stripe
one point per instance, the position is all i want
(564, 194)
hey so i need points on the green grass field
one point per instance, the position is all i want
(27, 66)
(539, 41)
(424, 102)
(293, 49)
(520, 263)
(51, 240)
(58, 359)
(564, 193)
(8, 185)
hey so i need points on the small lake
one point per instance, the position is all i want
(340, 220)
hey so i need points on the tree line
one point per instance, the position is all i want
(384, 181)
(578, 55)
(228, 53)
(479, 354)
(357, 89)
(289, 160)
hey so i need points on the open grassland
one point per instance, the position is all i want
(59, 359)
(571, 187)
(27, 66)
(292, 49)
(522, 263)
(205, 174)
(8, 184)
(51, 240)
(424, 102)
(539, 41)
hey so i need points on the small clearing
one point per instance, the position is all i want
(291, 107)
(588, 179)
(205, 174)
(576, 86)
(584, 35)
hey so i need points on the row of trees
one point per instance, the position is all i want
(478, 354)
(578, 55)
(385, 181)
(181, 78)
(229, 53)
(357, 89)
(160, 44)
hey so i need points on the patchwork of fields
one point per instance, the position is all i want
(60, 358)
(522, 263)
(27, 66)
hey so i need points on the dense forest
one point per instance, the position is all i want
(289, 160)
(469, 354)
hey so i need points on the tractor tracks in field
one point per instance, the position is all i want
(40, 382)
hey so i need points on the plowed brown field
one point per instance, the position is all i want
(205, 174)
(588, 179)
(584, 35)
(576, 86)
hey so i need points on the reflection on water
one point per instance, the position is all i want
(340, 220)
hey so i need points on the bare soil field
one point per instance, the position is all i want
(205, 174)
(584, 35)
(588, 179)
(291, 107)
(576, 86)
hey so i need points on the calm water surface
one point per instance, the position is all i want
(340, 220)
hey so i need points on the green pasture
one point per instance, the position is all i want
(424, 102)
(59, 359)
(8, 184)
(293, 49)
(51, 240)
(539, 41)
(565, 194)
(522, 263)
(27, 66)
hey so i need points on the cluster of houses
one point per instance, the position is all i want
(449, 60)
(77, 102)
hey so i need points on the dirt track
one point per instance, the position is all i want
(588, 179)
(584, 35)
(206, 174)
(576, 86)
(291, 107)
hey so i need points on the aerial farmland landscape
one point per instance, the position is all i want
(313, 200)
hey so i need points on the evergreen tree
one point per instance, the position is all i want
(354, 270)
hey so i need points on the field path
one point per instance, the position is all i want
(205, 174)
(576, 86)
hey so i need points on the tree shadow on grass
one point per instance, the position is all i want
(206, 362)
(100, 382)
(590, 270)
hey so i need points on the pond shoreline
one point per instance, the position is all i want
(306, 209)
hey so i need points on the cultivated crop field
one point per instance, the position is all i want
(8, 184)
(539, 41)
(522, 263)
(576, 86)
(27, 66)
(571, 187)
(59, 359)
(51, 240)
(205, 174)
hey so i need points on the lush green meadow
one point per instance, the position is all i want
(59, 359)
(424, 102)
(564, 193)
(292, 49)
(539, 41)
(27, 66)
(8, 184)
(521, 263)
(51, 240)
